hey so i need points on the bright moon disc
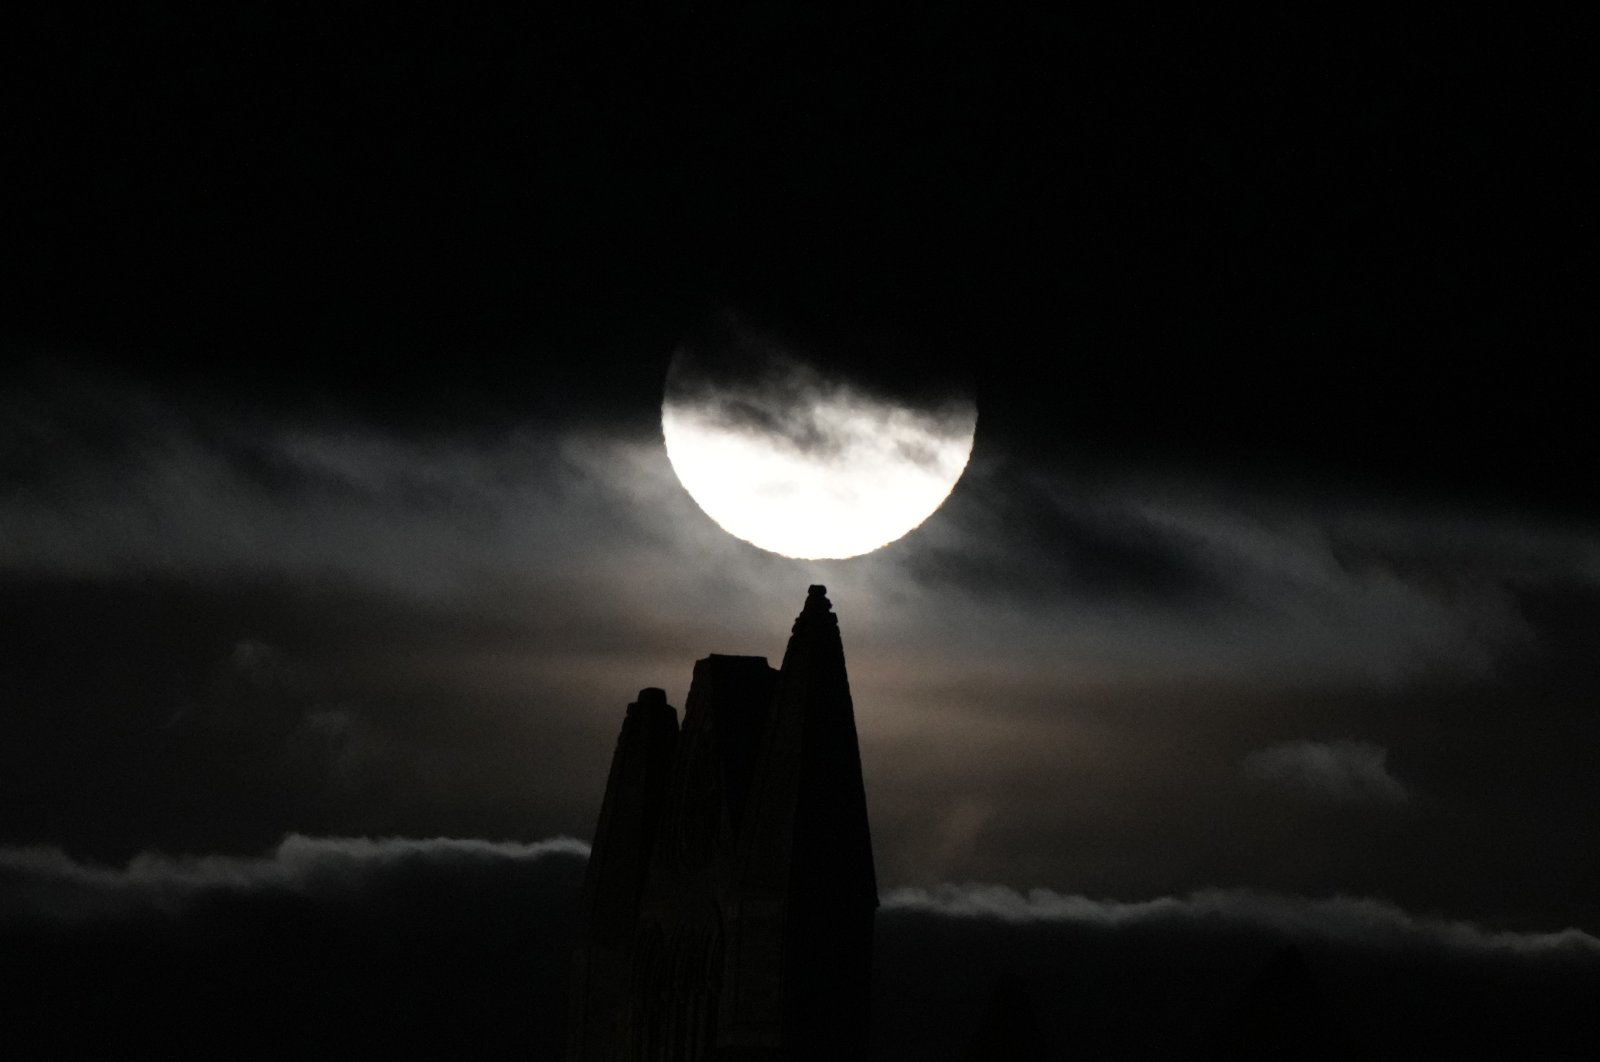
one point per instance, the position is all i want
(814, 470)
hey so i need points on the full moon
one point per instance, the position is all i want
(810, 467)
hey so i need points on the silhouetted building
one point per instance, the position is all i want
(730, 894)
(1010, 1031)
(1281, 1018)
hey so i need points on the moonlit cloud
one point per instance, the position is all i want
(1146, 577)
(45, 882)
(1337, 770)
(1349, 921)
(856, 474)
(434, 633)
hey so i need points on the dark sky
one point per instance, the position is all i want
(333, 501)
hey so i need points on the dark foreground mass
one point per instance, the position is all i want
(462, 949)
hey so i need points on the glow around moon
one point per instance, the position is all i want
(814, 470)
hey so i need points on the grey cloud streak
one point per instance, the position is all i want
(1139, 574)
(1341, 920)
(47, 883)
(1193, 578)
(1336, 770)
(791, 404)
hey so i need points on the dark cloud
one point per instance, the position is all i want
(751, 382)
(796, 354)
(218, 717)
(1036, 541)
(1246, 583)
(1176, 978)
(1333, 770)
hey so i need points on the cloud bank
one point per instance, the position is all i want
(1138, 573)
(1350, 922)
(372, 948)
(45, 882)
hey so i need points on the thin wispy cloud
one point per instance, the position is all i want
(1348, 921)
(46, 882)
(1353, 771)
(1142, 576)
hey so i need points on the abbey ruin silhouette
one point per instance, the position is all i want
(730, 894)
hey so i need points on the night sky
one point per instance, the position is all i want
(336, 529)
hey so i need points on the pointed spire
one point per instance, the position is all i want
(816, 618)
(810, 832)
(818, 609)
(815, 651)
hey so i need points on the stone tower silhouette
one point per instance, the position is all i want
(730, 893)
